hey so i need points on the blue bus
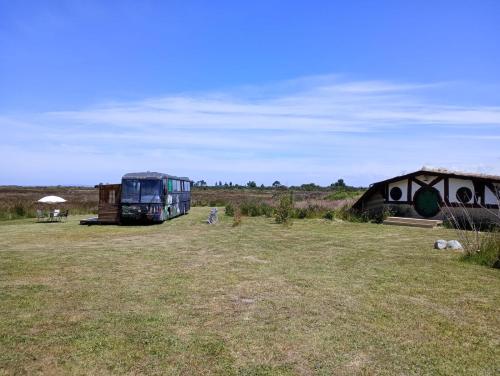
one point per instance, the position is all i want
(154, 197)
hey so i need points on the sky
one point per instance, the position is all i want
(232, 91)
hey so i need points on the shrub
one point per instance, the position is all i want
(19, 210)
(283, 212)
(229, 210)
(346, 213)
(253, 209)
(300, 213)
(266, 210)
(237, 218)
(489, 252)
(329, 215)
(479, 247)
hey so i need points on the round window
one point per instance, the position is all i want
(396, 193)
(464, 195)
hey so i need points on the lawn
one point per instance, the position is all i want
(185, 298)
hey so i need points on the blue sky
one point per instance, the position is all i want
(236, 91)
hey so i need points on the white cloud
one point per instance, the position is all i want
(310, 129)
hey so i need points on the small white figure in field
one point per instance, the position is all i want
(212, 217)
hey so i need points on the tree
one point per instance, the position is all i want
(251, 184)
(276, 184)
(200, 183)
(339, 184)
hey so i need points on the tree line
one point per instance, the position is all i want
(339, 184)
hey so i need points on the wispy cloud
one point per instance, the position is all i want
(309, 129)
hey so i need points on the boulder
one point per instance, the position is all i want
(440, 244)
(454, 244)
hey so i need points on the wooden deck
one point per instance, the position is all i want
(412, 222)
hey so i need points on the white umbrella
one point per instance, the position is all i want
(51, 199)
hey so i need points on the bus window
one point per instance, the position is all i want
(150, 191)
(131, 191)
(170, 186)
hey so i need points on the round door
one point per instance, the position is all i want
(427, 201)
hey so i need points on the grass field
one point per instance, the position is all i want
(319, 297)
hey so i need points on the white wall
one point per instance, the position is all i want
(455, 184)
(403, 185)
(489, 196)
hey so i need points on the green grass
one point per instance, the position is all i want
(489, 255)
(185, 298)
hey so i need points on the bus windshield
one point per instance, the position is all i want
(150, 191)
(141, 191)
(131, 190)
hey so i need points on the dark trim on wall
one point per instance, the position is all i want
(408, 192)
(435, 181)
(421, 183)
(476, 206)
(452, 205)
(446, 191)
(399, 203)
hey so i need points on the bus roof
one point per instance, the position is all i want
(152, 175)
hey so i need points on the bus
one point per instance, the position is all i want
(154, 197)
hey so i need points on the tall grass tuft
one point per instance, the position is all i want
(480, 239)
(489, 252)
(283, 212)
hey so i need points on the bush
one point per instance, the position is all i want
(283, 212)
(19, 210)
(300, 213)
(237, 218)
(229, 210)
(479, 247)
(488, 254)
(346, 213)
(253, 209)
(266, 210)
(312, 211)
(329, 215)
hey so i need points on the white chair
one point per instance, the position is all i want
(55, 215)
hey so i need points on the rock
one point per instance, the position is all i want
(454, 244)
(440, 244)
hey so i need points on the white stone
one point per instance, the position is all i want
(440, 244)
(454, 244)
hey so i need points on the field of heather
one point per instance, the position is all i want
(21, 202)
